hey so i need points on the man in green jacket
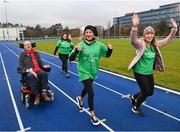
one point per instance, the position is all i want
(88, 53)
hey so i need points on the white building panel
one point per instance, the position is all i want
(13, 33)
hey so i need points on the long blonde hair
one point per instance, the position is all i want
(153, 42)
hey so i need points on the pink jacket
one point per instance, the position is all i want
(140, 46)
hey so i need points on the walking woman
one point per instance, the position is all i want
(89, 52)
(147, 59)
(65, 46)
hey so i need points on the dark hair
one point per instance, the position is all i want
(65, 39)
(92, 28)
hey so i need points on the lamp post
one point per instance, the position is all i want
(6, 19)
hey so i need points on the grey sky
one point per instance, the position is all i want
(73, 13)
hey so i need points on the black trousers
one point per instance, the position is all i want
(64, 60)
(88, 89)
(32, 82)
(146, 85)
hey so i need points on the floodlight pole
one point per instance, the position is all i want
(6, 19)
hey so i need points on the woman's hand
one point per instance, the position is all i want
(110, 46)
(135, 20)
(32, 72)
(79, 48)
(46, 66)
(174, 24)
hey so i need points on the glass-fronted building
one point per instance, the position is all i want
(152, 16)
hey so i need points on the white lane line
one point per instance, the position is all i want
(84, 109)
(173, 117)
(132, 79)
(11, 50)
(26, 129)
(12, 98)
(122, 95)
(103, 124)
(125, 96)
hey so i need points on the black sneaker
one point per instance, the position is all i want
(80, 103)
(132, 99)
(94, 120)
(137, 111)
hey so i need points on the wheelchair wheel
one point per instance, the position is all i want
(27, 100)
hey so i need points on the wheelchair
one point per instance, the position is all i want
(26, 93)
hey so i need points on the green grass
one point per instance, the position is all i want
(123, 53)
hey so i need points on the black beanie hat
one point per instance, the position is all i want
(92, 28)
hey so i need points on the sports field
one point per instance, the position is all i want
(123, 53)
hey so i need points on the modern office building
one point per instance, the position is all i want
(151, 17)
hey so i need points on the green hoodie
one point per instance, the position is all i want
(88, 59)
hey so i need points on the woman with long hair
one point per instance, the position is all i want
(147, 59)
(65, 46)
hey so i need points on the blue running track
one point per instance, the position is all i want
(162, 110)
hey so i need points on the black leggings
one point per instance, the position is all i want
(64, 59)
(146, 84)
(88, 88)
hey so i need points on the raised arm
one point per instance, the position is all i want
(75, 52)
(169, 38)
(134, 39)
(106, 51)
(110, 49)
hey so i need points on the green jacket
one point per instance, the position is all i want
(88, 59)
(64, 47)
(145, 64)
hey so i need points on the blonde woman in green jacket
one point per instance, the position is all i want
(65, 46)
(88, 53)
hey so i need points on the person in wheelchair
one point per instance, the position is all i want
(31, 63)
